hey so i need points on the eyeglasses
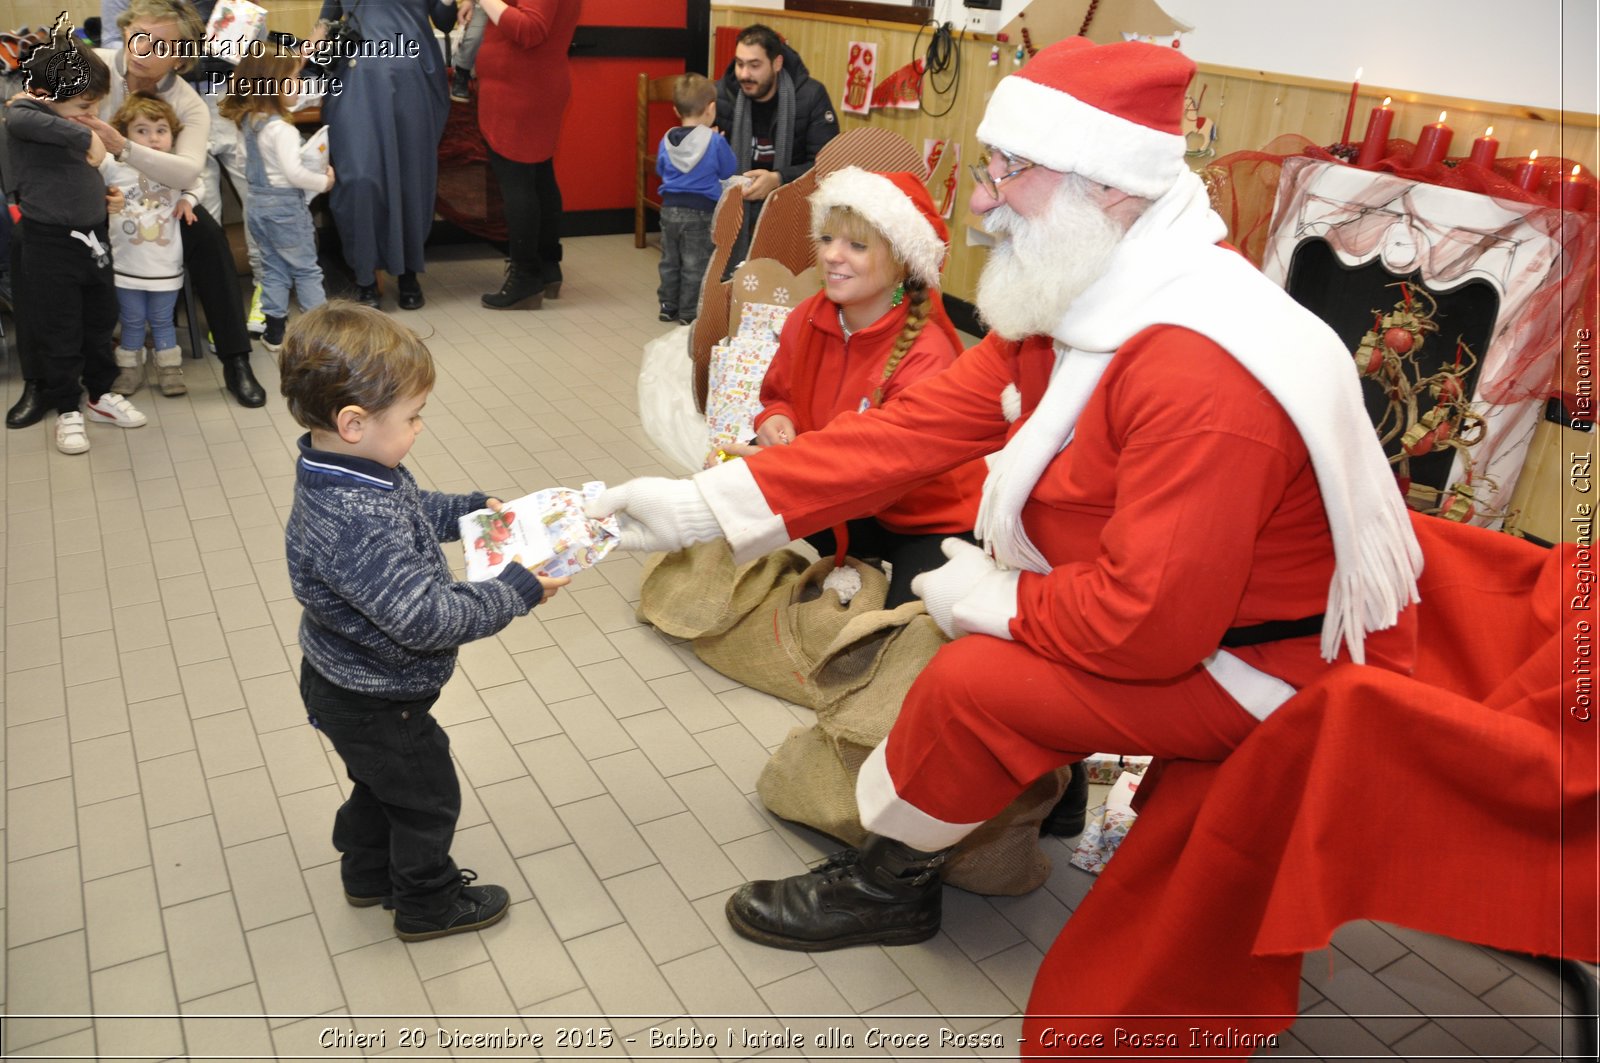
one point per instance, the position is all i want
(987, 181)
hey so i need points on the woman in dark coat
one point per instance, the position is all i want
(523, 87)
(384, 127)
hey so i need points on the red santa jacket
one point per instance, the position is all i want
(817, 374)
(1185, 504)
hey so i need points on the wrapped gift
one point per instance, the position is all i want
(1108, 825)
(737, 368)
(1103, 768)
(233, 27)
(314, 157)
(547, 530)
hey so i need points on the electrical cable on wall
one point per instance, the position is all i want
(942, 59)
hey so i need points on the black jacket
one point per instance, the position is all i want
(814, 121)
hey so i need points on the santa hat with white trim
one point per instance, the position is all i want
(898, 206)
(1111, 112)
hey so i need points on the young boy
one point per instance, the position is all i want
(66, 291)
(383, 614)
(693, 161)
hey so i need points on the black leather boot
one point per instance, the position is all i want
(884, 893)
(241, 382)
(410, 297)
(29, 409)
(1070, 814)
(521, 289)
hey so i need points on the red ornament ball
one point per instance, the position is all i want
(1398, 340)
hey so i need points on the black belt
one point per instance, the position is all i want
(1272, 631)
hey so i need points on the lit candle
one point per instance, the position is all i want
(1529, 174)
(1484, 149)
(1574, 190)
(1350, 111)
(1432, 144)
(1376, 143)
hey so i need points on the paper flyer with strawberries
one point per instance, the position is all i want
(548, 530)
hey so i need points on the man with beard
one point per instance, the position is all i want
(1187, 514)
(776, 118)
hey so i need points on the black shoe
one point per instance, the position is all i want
(552, 290)
(521, 290)
(30, 408)
(410, 297)
(367, 294)
(358, 901)
(474, 908)
(461, 85)
(272, 338)
(667, 313)
(241, 382)
(1071, 813)
(885, 893)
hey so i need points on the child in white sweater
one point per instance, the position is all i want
(147, 248)
(261, 94)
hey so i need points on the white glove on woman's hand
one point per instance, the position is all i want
(658, 514)
(969, 593)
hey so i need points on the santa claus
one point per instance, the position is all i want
(1186, 518)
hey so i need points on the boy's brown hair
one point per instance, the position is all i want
(145, 105)
(692, 94)
(49, 68)
(256, 84)
(345, 354)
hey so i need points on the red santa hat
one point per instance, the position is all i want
(1111, 112)
(898, 206)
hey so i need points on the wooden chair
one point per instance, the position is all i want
(656, 90)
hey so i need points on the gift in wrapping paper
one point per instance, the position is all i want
(1108, 825)
(314, 157)
(738, 366)
(548, 530)
(234, 25)
(1103, 768)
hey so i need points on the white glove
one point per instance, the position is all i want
(658, 514)
(969, 593)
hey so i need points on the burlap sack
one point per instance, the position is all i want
(699, 591)
(776, 645)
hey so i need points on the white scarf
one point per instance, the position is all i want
(1168, 270)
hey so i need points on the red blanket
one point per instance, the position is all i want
(1460, 801)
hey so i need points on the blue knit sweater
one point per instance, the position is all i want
(383, 613)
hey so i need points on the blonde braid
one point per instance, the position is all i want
(916, 317)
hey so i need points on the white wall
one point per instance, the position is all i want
(1535, 52)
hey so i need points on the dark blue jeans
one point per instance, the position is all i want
(686, 248)
(395, 829)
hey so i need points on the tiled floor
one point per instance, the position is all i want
(170, 890)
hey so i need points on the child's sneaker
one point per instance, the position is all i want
(667, 313)
(272, 338)
(256, 320)
(474, 908)
(112, 408)
(70, 436)
(130, 371)
(461, 86)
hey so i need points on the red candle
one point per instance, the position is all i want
(1574, 190)
(1529, 174)
(1376, 143)
(1432, 144)
(1350, 111)
(1484, 149)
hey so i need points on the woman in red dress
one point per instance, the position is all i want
(523, 87)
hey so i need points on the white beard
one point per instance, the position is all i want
(1040, 265)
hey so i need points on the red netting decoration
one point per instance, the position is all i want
(1244, 188)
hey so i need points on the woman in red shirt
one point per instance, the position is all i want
(523, 87)
(877, 327)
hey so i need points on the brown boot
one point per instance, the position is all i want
(169, 372)
(885, 893)
(130, 371)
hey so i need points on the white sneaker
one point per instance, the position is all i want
(112, 408)
(70, 436)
